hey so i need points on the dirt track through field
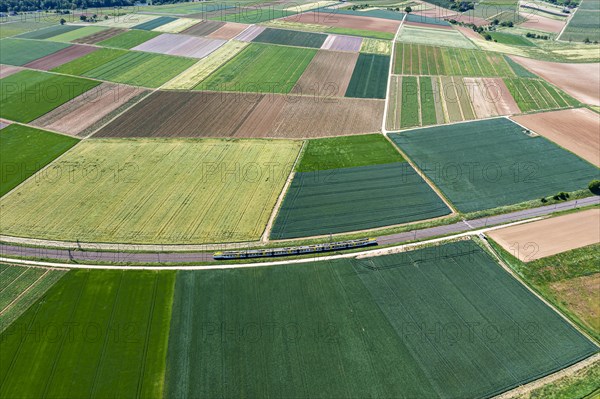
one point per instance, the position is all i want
(61, 57)
(579, 80)
(345, 21)
(577, 130)
(328, 73)
(531, 241)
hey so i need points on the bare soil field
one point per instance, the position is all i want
(229, 31)
(204, 28)
(250, 34)
(342, 43)
(539, 22)
(328, 74)
(346, 21)
(82, 112)
(577, 130)
(98, 37)
(7, 70)
(535, 240)
(469, 19)
(211, 114)
(582, 81)
(185, 46)
(490, 97)
(61, 57)
(468, 32)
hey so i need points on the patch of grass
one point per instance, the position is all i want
(291, 38)
(27, 95)
(362, 33)
(376, 46)
(518, 69)
(77, 33)
(26, 150)
(346, 152)
(261, 68)
(369, 79)
(49, 32)
(172, 179)
(583, 384)
(513, 40)
(114, 347)
(428, 99)
(17, 27)
(89, 61)
(409, 116)
(434, 37)
(20, 52)
(129, 39)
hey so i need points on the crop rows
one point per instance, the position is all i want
(370, 76)
(291, 38)
(537, 95)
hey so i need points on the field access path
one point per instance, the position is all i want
(8, 252)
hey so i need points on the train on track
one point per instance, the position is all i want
(300, 250)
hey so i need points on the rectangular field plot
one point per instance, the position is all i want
(21, 288)
(78, 33)
(538, 95)
(291, 38)
(100, 36)
(61, 57)
(26, 150)
(27, 95)
(20, 52)
(434, 37)
(113, 347)
(584, 24)
(343, 24)
(358, 198)
(328, 74)
(154, 23)
(413, 59)
(393, 326)
(182, 45)
(129, 39)
(261, 68)
(342, 43)
(492, 163)
(369, 79)
(376, 46)
(49, 32)
(229, 192)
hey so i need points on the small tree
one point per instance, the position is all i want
(595, 187)
(408, 10)
(62, 21)
(83, 18)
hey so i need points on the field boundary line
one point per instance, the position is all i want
(363, 254)
(569, 18)
(390, 73)
(7, 307)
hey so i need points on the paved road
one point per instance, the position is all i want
(7, 250)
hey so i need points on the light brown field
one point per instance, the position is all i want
(7, 70)
(581, 296)
(535, 240)
(228, 31)
(328, 73)
(490, 97)
(468, 32)
(582, 81)
(541, 23)
(345, 21)
(577, 130)
(82, 112)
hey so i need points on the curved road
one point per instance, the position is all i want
(78, 256)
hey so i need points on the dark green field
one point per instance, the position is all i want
(154, 23)
(20, 52)
(25, 150)
(129, 39)
(291, 38)
(507, 38)
(348, 199)
(346, 152)
(100, 334)
(27, 95)
(369, 79)
(492, 163)
(49, 32)
(440, 322)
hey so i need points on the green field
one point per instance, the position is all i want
(584, 24)
(361, 32)
(20, 52)
(357, 198)
(25, 150)
(49, 32)
(254, 15)
(416, 101)
(427, 60)
(154, 191)
(94, 334)
(77, 33)
(154, 23)
(17, 27)
(27, 95)
(129, 39)
(434, 37)
(510, 39)
(347, 152)
(21, 288)
(410, 102)
(442, 322)
(369, 79)
(538, 95)
(130, 67)
(291, 38)
(492, 163)
(518, 69)
(261, 68)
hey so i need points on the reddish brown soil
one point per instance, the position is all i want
(503, 100)
(577, 130)
(328, 74)
(204, 28)
(229, 31)
(61, 57)
(210, 114)
(539, 22)
(83, 111)
(582, 81)
(7, 70)
(98, 37)
(468, 32)
(346, 21)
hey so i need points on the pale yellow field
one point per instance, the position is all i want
(200, 71)
(376, 46)
(310, 6)
(153, 191)
(281, 24)
(127, 21)
(176, 26)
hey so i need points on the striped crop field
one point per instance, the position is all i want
(538, 95)
(229, 192)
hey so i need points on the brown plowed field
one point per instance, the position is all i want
(535, 240)
(328, 74)
(78, 114)
(98, 37)
(468, 32)
(61, 57)
(204, 28)
(496, 90)
(345, 21)
(577, 130)
(582, 81)
(229, 31)
(539, 22)
(7, 70)
(210, 114)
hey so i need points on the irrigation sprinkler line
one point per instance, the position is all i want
(389, 81)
